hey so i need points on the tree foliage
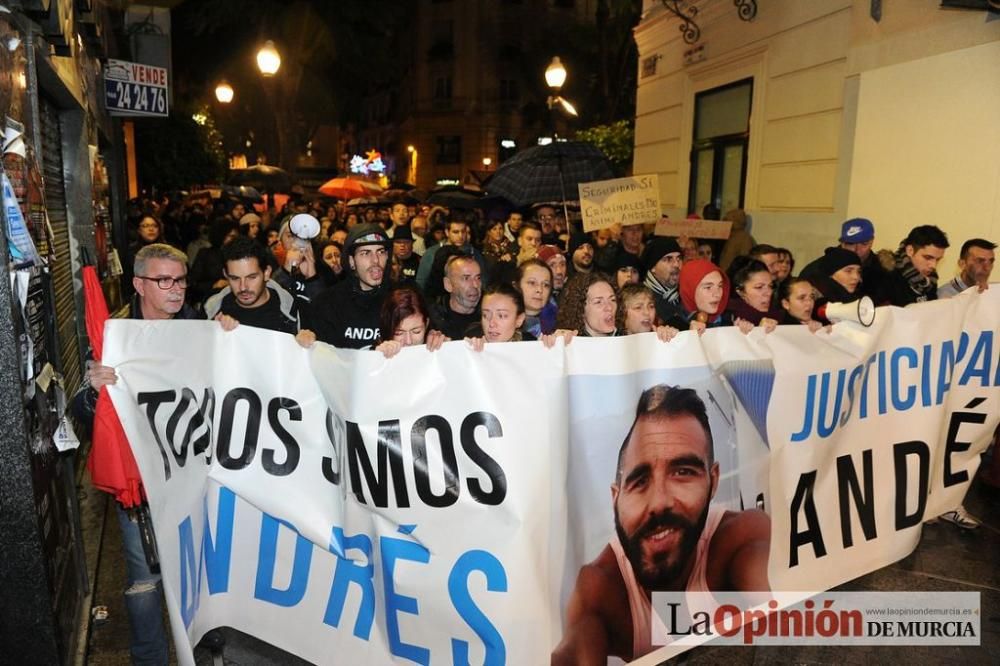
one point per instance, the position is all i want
(176, 152)
(616, 141)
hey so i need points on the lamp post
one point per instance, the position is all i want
(224, 92)
(412, 171)
(555, 77)
(268, 59)
(268, 62)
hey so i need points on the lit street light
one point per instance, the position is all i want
(268, 59)
(224, 92)
(555, 77)
(555, 74)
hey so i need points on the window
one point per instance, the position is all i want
(719, 147)
(442, 41)
(449, 150)
(442, 87)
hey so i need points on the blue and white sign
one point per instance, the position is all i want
(134, 89)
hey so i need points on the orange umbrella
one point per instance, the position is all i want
(350, 188)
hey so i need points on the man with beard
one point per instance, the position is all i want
(347, 314)
(454, 314)
(252, 298)
(661, 259)
(667, 536)
(580, 253)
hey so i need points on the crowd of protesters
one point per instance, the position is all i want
(405, 274)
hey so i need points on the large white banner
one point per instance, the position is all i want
(447, 507)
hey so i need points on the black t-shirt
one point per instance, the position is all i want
(268, 315)
(346, 316)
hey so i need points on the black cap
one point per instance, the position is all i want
(656, 249)
(368, 233)
(402, 233)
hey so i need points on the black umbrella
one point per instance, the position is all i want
(549, 173)
(244, 192)
(263, 177)
(455, 196)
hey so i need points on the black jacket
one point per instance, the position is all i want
(895, 290)
(345, 316)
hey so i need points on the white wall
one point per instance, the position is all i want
(927, 148)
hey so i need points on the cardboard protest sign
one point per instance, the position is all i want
(634, 200)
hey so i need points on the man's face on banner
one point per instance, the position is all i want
(661, 499)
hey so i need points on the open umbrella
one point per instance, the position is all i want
(549, 173)
(350, 188)
(263, 177)
(244, 192)
(455, 196)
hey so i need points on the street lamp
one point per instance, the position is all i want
(268, 59)
(555, 77)
(224, 92)
(555, 74)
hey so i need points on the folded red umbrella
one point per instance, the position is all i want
(111, 464)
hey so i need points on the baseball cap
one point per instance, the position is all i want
(366, 234)
(403, 233)
(857, 230)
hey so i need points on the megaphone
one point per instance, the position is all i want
(861, 311)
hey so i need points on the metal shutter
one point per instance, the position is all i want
(62, 269)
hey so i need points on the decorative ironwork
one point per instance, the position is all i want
(746, 9)
(686, 13)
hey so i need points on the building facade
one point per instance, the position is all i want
(472, 90)
(814, 112)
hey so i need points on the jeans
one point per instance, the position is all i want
(148, 643)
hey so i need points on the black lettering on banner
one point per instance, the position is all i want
(498, 479)
(204, 417)
(187, 397)
(900, 452)
(153, 400)
(388, 454)
(849, 488)
(224, 451)
(813, 534)
(291, 446)
(331, 466)
(418, 442)
(952, 445)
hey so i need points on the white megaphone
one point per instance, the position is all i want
(861, 311)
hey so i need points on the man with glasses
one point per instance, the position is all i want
(160, 279)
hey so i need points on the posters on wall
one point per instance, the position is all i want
(445, 507)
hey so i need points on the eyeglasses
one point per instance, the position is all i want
(166, 283)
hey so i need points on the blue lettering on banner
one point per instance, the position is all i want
(215, 555)
(458, 589)
(299, 580)
(214, 560)
(900, 376)
(347, 572)
(392, 550)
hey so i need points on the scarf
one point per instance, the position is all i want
(669, 295)
(923, 287)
